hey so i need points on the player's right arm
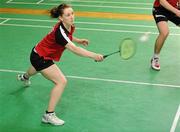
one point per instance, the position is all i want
(169, 7)
(83, 52)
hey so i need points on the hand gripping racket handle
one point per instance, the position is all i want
(104, 56)
(111, 54)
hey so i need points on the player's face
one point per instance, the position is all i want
(68, 16)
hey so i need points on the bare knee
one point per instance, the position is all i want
(61, 81)
(164, 34)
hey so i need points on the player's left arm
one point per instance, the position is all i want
(84, 42)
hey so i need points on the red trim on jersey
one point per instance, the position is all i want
(171, 2)
(49, 48)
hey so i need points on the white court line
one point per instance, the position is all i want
(86, 29)
(106, 80)
(79, 5)
(90, 23)
(5, 21)
(27, 19)
(91, 29)
(21, 25)
(13, 71)
(39, 1)
(9, 1)
(176, 118)
(109, 2)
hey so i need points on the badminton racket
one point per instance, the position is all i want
(126, 49)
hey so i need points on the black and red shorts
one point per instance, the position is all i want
(162, 14)
(38, 62)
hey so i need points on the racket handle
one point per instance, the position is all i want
(105, 56)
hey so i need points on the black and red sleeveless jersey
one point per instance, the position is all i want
(171, 2)
(53, 44)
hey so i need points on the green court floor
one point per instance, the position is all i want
(111, 96)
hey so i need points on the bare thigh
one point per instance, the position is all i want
(163, 27)
(54, 74)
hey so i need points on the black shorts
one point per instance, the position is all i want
(39, 63)
(161, 14)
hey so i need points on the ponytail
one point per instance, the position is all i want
(54, 13)
(58, 11)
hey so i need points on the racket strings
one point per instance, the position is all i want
(127, 48)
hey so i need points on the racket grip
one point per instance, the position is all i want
(104, 56)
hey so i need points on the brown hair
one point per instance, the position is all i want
(58, 11)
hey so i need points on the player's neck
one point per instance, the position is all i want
(68, 27)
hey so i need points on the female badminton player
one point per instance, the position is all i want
(50, 49)
(163, 11)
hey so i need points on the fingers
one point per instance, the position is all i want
(99, 57)
(84, 42)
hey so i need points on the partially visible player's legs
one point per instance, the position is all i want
(54, 74)
(163, 34)
(25, 78)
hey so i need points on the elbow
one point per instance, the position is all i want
(73, 48)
